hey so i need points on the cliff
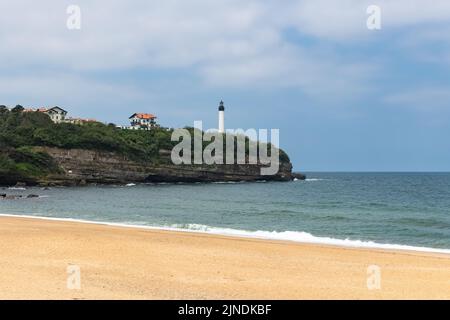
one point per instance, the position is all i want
(79, 167)
(36, 151)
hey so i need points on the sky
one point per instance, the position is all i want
(345, 98)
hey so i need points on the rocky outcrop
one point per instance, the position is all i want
(298, 175)
(80, 167)
(4, 196)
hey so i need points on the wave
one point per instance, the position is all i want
(314, 179)
(302, 237)
(294, 236)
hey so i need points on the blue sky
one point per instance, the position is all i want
(344, 97)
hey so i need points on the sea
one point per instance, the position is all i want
(402, 211)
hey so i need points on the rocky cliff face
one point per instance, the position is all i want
(80, 167)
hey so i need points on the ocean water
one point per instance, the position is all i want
(384, 210)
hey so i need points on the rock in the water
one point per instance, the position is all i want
(12, 197)
(298, 175)
(33, 196)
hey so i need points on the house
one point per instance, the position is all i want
(142, 121)
(56, 114)
(59, 115)
(79, 121)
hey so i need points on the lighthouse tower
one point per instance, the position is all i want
(221, 117)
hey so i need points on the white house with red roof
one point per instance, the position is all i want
(142, 121)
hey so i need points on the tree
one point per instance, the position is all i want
(17, 108)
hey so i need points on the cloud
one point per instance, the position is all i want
(224, 43)
(61, 89)
(291, 67)
(345, 20)
(424, 99)
(428, 44)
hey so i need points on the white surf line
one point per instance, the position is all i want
(262, 235)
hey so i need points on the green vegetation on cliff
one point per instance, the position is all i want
(21, 132)
(36, 129)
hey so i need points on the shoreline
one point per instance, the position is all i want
(135, 263)
(244, 234)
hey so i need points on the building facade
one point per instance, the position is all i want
(59, 115)
(142, 121)
(56, 114)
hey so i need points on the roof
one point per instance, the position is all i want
(57, 108)
(43, 109)
(221, 107)
(143, 116)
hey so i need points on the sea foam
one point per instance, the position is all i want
(302, 237)
(294, 236)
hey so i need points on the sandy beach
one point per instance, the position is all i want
(130, 263)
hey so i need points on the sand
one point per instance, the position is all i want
(128, 263)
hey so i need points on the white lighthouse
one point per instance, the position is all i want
(221, 117)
